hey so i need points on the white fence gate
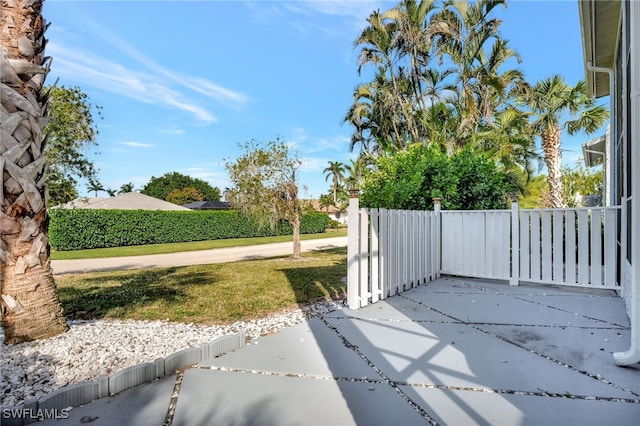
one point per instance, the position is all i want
(391, 251)
(476, 243)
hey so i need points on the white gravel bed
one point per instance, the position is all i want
(94, 348)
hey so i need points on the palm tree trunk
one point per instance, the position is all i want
(30, 306)
(553, 159)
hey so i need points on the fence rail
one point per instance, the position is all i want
(393, 250)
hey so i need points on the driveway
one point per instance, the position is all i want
(200, 257)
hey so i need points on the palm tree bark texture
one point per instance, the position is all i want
(30, 306)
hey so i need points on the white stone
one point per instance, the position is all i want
(34, 369)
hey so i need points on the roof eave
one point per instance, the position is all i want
(599, 24)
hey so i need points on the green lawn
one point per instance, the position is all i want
(206, 294)
(178, 247)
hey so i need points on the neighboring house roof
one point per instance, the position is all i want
(126, 201)
(600, 23)
(594, 151)
(316, 206)
(208, 205)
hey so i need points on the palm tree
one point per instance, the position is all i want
(355, 171)
(464, 30)
(413, 39)
(94, 186)
(326, 201)
(30, 305)
(335, 172)
(550, 100)
(509, 141)
(377, 48)
(126, 187)
(374, 117)
(112, 192)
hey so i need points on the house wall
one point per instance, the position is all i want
(628, 96)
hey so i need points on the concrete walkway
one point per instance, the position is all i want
(452, 352)
(200, 257)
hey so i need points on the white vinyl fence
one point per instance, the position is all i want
(391, 251)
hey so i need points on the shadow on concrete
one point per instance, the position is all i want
(486, 353)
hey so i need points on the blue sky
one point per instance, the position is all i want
(182, 83)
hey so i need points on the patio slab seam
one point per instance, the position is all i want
(462, 322)
(541, 393)
(619, 326)
(386, 379)
(171, 409)
(364, 379)
(476, 327)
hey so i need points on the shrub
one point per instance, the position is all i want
(78, 229)
(409, 179)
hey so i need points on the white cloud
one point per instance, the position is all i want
(196, 84)
(314, 164)
(87, 68)
(334, 143)
(173, 131)
(152, 83)
(213, 173)
(136, 144)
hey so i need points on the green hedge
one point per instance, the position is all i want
(78, 229)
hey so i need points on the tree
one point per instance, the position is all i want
(184, 196)
(335, 172)
(95, 186)
(70, 133)
(30, 305)
(160, 187)
(556, 106)
(112, 192)
(126, 187)
(265, 186)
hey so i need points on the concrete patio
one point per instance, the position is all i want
(451, 352)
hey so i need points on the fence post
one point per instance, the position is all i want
(515, 244)
(353, 250)
(437, 247)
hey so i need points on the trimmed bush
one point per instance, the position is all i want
(79, 229)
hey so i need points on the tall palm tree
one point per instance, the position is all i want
(413, 39)
(30, 305)
(374, 115)
(335, 172)
(465, 31)
(377, 48)
(556, 106)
